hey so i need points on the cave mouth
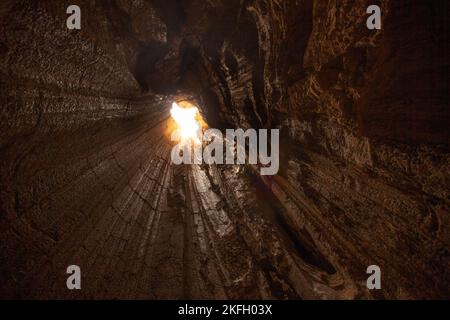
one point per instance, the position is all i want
(189, 121)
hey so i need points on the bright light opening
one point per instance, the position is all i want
(189, 127)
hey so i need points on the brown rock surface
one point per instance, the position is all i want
(86, 176)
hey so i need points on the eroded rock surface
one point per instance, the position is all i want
(86, 176)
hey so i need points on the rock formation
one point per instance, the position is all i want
(86, 177)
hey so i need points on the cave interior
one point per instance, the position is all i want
(86, 176)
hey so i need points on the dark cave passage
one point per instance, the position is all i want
(87, 179)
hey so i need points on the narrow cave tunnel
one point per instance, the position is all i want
(86, 176)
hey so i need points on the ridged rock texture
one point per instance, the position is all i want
(86, 177)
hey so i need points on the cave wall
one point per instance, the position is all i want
(363, 117)
(364, 147)
(73, 120)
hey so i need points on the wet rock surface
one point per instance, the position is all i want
(86, 177)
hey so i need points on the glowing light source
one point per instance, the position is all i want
(186, 120)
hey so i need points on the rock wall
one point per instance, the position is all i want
(72, 118)
(363, 116)
(85, 177)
